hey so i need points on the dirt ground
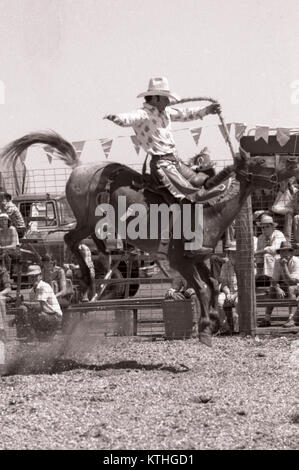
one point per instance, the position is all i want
(131, 393)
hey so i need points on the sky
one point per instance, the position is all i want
(66, 63)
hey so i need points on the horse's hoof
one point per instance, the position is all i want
(205, 337)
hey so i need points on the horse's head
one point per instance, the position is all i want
(265, 171)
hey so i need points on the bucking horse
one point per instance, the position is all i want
(88, 182)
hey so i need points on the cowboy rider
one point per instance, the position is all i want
(152, 126)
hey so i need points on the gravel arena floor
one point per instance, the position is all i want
(133, 393)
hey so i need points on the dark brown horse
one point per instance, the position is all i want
(87, 182)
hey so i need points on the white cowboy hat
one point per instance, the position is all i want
(33, 270)
(266, 220)
(3, 215)
(159, 86)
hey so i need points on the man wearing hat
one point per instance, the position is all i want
(152, 126)
(42, 315)
(284, 283)
(267, 245)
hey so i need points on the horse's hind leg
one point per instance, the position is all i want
(72, 240)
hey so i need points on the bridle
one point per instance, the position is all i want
(249, 176)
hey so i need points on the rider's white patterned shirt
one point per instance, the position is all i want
(153, 128)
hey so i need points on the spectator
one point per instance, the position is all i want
(228, 297)
(74, 270)
(56, 277)
(284, 283)
(8, 234)
(9, 240)
(267, 245)
(86, 253)
(14, 214)
(291, 224)
(42, 315)
(5, 288)
(256, 219)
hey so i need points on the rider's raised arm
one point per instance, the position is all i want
(191, 114)
(186, 114)
(128, 119)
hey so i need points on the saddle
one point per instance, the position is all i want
(201, 195)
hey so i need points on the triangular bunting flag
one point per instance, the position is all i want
(222, 130)
(78, 146)
(135, 143)
(282, 136)
(106, 144)
(239, 130)
(262, 132)
(51, 153)
(196, 133)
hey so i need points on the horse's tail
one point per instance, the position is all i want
(53, 143)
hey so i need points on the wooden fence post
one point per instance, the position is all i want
(245, 270)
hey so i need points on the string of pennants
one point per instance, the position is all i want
(261, 132)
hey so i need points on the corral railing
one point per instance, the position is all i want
(53, 180)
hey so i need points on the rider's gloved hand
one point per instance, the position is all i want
(113, 118)
(214, 108)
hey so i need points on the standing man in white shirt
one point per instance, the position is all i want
(267, 245)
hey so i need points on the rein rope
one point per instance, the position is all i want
(212, 100)
(245, 174)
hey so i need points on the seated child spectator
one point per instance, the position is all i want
(284, 283)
